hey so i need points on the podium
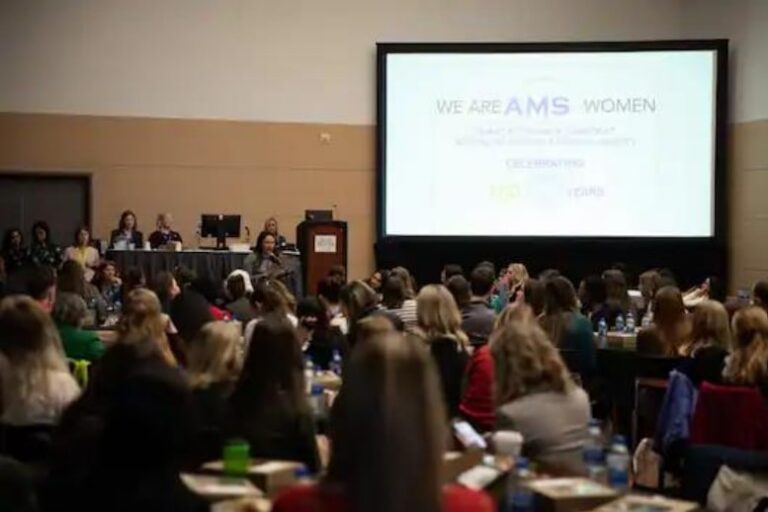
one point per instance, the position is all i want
(323, 244)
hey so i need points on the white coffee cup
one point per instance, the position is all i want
(508, 442)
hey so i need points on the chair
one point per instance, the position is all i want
(32, 444)
(702, 463)
(733, 416)
(649, 395)
(620, 370)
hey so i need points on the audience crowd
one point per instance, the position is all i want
(195, 363)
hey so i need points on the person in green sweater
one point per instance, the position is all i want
(70, 312)
(567, 328)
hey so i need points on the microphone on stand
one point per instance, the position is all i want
(273, 257)
(247, 234)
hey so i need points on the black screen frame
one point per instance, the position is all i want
(720, 46)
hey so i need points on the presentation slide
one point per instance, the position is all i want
(593, 144)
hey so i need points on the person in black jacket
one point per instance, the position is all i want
(122, 445)
(13, 251)
(42, 250)
(440, 326)
(127, 233)
(268, 407)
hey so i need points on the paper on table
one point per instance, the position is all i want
(273, 466)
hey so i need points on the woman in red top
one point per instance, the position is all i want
(388, 439)
(477, 405)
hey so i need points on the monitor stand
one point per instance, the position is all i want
(221, 243)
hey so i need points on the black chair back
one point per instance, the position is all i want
(32, 444)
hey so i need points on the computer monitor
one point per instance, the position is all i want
(221, 227)
(318, 215)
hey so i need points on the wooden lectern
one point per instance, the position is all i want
(323, 244)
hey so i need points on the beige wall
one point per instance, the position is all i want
(264, 60)
(748, 180)
(151, 72)
(189, 167)
(745, 24)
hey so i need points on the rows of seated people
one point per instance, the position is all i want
(196, 363)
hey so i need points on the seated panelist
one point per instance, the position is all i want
(164, 235)
(127, 234)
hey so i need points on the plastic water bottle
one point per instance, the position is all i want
(303, 475)
(647, 319)
(309, 373)
(317, 400)
(519, 497)
(336, 362)
(619, 325)
(593, 453)
(618, 464)
(631, 324)
(602, 333)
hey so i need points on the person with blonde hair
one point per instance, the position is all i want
(388, 437)
(213, 358)
(35, 383)
(709, 328)
(477, 402)
(536, 396)
(143, 318)
(748, 363)
(439, 325)
(708, 345)
(510, 286)
(164, 236)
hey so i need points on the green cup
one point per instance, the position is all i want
(237, 457)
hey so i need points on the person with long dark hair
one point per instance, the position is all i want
(264, 260)
(127, 234)
(78, 442)
(671, 327)
(42, 250)
(592, 296)
(617, 295)
(566, 327)
(268, 407)
(14, 252)
(72, 279)
(146, 435)
(318, 338)
(165, 287)
(133, 279)
(358, 302)
(108, 282)
(388, 438)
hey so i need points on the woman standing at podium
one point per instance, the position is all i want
(263, 262)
